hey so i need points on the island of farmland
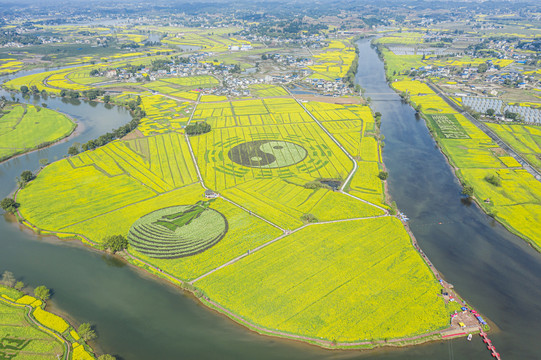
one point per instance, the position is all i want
(276, 248)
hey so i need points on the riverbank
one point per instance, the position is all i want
(513, 195)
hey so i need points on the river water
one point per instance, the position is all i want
(140, 318)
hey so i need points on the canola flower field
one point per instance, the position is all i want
(516, 201)
(10, 65)
(21, 338)
(313, 285)
(267, 159)
(334, 61)
(27, 127)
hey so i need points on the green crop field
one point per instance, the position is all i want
(19, 337)
(178, 231)
(447, 126)
(27, 127)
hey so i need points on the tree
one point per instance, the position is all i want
(106, 99)
(482, 68)
(8, 279)
(493, 179)
(24, 89)
(309, 218)
(43, 162)
(383, 175)
(41, 292)
(87, 332)
(19, 285)
(73, 150)
(468, 190)
(199, 127)
(115, 243)
(490, 112)
(9, 205)
(27, 176)
(106, 357)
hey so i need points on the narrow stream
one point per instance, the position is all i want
(140, 318)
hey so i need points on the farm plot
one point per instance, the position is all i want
(28, 127)
(352, 126)
(284, 202)
(334, 61)
(516, 202)
(523, 138)
(447, 126)
(267, 90)
(244, 231)
(19, 338)
(178, 231)
(99, 181)
(181, 86)
(209, 42)
(231, 156)
(9, 65)
(379, 290)
(163, 115)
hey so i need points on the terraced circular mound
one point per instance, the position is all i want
(267, 154)
(178, 231)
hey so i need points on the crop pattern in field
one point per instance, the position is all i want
(178, 231)
(448, 127)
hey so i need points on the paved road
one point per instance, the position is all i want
(489, 132)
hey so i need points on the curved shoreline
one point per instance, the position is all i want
(150, 270)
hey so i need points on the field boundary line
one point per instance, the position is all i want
(355, 165)
(285, 234)
(365, 201)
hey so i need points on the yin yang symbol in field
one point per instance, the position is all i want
(267, 154)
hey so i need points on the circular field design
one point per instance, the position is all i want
(267, 154)
(178, 231)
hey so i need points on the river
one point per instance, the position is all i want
(140, 318)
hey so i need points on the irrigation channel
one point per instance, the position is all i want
(140, 318)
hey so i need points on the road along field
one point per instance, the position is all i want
(270, 166)
(502, 188)
(27, 127)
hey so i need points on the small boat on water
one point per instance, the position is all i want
(469, 337)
